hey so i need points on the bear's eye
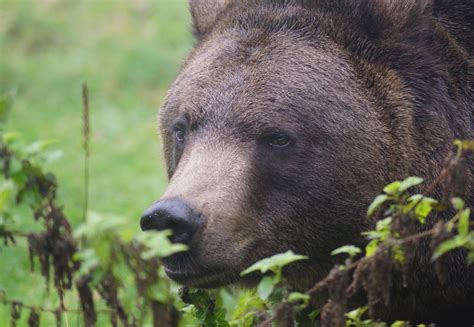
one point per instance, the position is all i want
(179, 135)
(280, 140)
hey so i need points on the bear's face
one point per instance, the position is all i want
(270, 139)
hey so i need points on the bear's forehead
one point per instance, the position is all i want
(263, 79)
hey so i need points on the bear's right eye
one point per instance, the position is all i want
(179, 135)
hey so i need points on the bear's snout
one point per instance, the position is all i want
(175, 215)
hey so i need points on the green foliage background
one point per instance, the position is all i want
(128, 51)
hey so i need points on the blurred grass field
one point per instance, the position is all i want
(128, 52)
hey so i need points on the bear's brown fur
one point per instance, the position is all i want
(288, 117)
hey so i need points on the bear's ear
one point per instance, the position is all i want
(205, 13)
(399, 14)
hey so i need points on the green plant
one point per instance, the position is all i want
(101, 256)
(388, 248)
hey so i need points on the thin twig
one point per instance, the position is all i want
(86, 138)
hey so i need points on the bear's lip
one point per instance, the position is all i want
(195, 278)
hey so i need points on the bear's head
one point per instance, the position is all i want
(274, 140)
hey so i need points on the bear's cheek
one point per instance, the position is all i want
(229, 239)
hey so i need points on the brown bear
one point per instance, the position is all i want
(288, 117)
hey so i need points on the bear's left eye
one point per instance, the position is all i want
(280, 140)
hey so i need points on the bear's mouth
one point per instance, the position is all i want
(196, 278)
(184, 271)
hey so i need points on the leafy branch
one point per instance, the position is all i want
(386, 250)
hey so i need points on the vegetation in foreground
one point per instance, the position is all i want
(101, 270)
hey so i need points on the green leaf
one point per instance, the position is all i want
(160, 291)
(52, 156)
(266, 286)
(470, 258)
(351, 250)
(88, 259)
(38, 146)
(392, 188)
(7, 195)
(399, 323)
(382, 231)
(355, 315)
(458, 144)
(409, 183)
(378, 201)
(274, 263)
(450, 226)
(465, 144)
(372, 235)
(248, 305)
(458, 203)
(314, 314)
(103, 250)
(298, 297)
(158, 245)
(421, 206)
(100, 225)
(9, 138)
(16, 165)
(384, 224)
(371, 248)
(398, 254)
(463, 225)
(449, 245)
(206, 309)
(195, 296)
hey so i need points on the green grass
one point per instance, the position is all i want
(128, 58)
(128, 52)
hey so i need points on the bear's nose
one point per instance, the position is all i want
(175, 215)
